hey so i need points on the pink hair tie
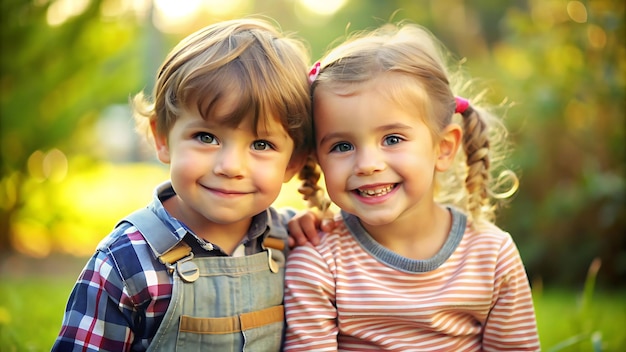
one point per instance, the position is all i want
(461, 105)
(314, 72)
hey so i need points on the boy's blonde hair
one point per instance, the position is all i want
(266, 69)
(421, 83)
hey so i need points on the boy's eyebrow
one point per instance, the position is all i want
(202, 123)
(276, 128)
(379, 129)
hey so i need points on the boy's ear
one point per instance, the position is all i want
(448, 146)
(160, 144)
(295, 165)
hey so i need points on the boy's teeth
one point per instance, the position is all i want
(375, 192)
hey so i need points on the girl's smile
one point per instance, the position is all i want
(375, 194)
(374, 191)
(382, 171)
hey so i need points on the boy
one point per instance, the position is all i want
(202, 265)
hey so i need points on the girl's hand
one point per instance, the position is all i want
(307, 226)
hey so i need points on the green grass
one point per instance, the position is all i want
(31, 309)
(564, 325)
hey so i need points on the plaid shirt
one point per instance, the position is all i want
(119, 306)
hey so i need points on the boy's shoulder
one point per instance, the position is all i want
(277, 221)
(130, 257)
(143, 228)
(124, 235)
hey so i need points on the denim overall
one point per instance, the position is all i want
(218, 303)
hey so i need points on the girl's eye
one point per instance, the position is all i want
(206, 138)
(391, 140)
(261, 145)
(341, 147)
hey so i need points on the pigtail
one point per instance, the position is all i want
(476, 146)
(311, 191)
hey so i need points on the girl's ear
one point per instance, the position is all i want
(448, 146)
(160, 144)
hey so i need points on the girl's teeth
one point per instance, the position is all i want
(375, 192)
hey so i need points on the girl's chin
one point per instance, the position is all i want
(374, 218)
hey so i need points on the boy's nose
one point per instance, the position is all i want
(230, 163)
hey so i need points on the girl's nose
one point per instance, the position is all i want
(369, 161)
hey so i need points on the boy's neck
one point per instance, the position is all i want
(226, 236)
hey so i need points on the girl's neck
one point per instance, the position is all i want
(414, 237)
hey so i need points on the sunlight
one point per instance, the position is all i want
(51, 166)
(31, 238)
(173, 16)
(317, 12)
(223, 8)
(596, 36)
(577, 11)
(323, 7)
(61, 10)
(175, 10)
(170, 16)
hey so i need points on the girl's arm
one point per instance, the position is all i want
(309, 302)
(511, 324)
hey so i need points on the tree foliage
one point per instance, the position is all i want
(54, 82)
(556, 67)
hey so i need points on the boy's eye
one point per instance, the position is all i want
(391, 140)
(261, 145)
(341, 147)
(206, 138)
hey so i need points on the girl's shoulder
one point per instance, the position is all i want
(486, 240)
(486, 231)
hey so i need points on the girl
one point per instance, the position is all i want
(415, 262)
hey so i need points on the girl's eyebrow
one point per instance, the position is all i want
(333, 135)
(379, 129)
(393, 127)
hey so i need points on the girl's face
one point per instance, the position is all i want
(225, 175)
(378, 159)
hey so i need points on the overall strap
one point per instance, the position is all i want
(276, 243)
(163, 242)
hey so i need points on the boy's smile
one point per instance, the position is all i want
(222, 175)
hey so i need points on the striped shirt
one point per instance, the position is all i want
(352, 294)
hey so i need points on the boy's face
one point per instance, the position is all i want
(225, 175)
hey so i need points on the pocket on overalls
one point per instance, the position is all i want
(263, 330)
(255, 331)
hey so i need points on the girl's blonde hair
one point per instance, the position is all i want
(266, 69)
(421, 83)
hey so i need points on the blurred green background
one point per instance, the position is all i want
(72, 165)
